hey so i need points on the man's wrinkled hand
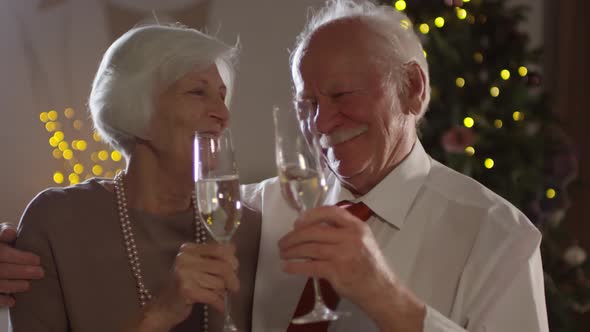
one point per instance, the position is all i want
(17, 268)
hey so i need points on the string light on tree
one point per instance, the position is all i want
(550, 193)
(498, 123)
(468, 122)
(522, 71)
(494, 91)
(461, 13)
(460, 82)
(470, 150)
(478, 57)
(488, 163)
(439, 22)
(518, 116)
(505, 74)
(424, 28)
(400, 5)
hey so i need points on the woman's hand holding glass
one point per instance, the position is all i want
(201, 274)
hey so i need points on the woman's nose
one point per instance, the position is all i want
(220, 113)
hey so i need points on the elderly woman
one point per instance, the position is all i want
(130, 254)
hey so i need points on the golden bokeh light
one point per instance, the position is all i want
(74, 178)
(78, 168)
(59, 135)
(69, 112)
(50, 126)
(53, 142)
(116, 155)
(498, 123)
(68, 154)
(439, 22)
(468, 122)
(81, 145)
(97, 170)
(63, 145)
(103, 155)
(470, 150)
(58, 177)
(550, 193)
(43, 117)
(52, 115)
(78, 124)
(56, 154)
(488, 163)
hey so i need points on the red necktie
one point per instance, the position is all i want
(306, 302)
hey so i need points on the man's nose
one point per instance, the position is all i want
(325, 116)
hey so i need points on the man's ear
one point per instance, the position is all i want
(415, 90)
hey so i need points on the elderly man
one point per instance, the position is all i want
(439, 252)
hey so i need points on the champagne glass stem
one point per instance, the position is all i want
(317, 291)
(228, 323)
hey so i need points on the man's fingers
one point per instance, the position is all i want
(15, 256)
(20, 272)
(309, 268)
(7, 233)
(331, 215)
(318, 233)
(14, 286)
(6, 301)
(310, 251)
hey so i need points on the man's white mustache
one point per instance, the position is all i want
(343, 135)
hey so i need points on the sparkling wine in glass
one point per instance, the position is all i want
(217, 188)
(303, 184)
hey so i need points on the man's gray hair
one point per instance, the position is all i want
(140, 65)
(400, 45)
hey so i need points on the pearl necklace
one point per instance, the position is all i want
(131, 247)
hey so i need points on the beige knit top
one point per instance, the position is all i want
(88, 284)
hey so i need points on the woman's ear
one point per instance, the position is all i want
(415, 90)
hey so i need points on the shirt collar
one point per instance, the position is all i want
(392, 198)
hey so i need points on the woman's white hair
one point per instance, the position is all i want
(400, 45)
(141, 64)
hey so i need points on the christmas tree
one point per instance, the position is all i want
(490, 118)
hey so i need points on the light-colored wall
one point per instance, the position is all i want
(68, 51)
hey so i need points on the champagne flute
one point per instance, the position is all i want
(217, 189)
(303, 184)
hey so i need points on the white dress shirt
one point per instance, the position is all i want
(470, 255)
